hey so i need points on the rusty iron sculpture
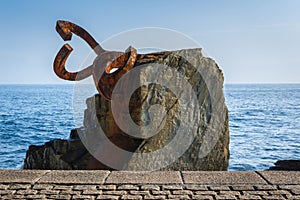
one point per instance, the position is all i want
(105, 61)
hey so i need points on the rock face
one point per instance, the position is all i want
(166, 115)
(289, 165)
(60, 154)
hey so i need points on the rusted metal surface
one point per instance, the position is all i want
(103, 64)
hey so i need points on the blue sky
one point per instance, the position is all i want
(255, 41)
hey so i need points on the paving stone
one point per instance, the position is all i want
(206, 197)
(282, 177)
(182, 192)
(3, 187)
(116, 192)
(196, 187)
(178, 196)
(242, 187)
(165, 192)
(71, 192)
(150, 187)
(92, 192)
(266, 187)
(21, 176)
(10, 196)
(82, 197)
(233, 193)
(139, 192)
(6, 192)
(131, 197)
(42, 187)
(36, 196)
(218, 188)
(205, 193)
(26, 192)
(295, 197)
(295, 189)
(77, 176)
(127, 187)
(274, 197)
(136, 177)
(108, 197)
(59, 196)
(218, 177)
(19, 186)
(282, 192)
(288, 187)
(84, 187)
(255, 192)
(154, 197)
(18, 196)
(63, 187)
(172, 187)
(227, 197)
(106, 187)
(249, 197)
(48, 192)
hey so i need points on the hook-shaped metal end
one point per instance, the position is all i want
(59, 63)
(60, 69)
(63, 29)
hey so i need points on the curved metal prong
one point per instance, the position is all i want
(60, 69)
(65, 30)
(123, 63)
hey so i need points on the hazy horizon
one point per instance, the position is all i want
(70, 83)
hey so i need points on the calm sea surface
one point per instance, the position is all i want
(264, 122)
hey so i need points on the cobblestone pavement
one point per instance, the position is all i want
(34, 184)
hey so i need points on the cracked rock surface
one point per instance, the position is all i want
(176, 119)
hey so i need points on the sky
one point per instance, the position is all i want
(254, 41)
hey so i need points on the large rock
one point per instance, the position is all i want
(60, 154)
(288, 165)
(175, 119)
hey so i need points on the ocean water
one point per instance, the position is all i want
(264, 122)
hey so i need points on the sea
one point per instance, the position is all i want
(264, 122)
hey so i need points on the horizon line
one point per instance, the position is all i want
(73, 83)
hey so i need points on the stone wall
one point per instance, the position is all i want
(95, 184)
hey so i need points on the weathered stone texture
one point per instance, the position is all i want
(101, 187)
(208, 150)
